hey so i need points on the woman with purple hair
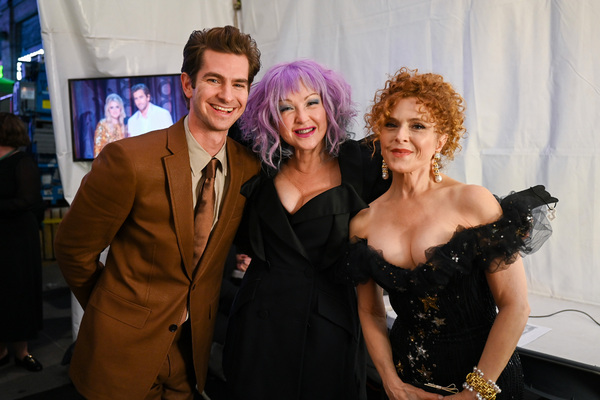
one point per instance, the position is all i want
(293, 330)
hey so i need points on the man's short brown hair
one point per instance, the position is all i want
(227, 39)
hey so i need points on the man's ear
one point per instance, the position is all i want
(186, 84)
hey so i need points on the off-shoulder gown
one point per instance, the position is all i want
(444, 307)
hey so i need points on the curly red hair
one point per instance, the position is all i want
(438, 99)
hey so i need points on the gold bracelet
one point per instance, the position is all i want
(483, 390)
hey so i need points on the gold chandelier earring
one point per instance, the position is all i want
(384, 170)
(436, 168)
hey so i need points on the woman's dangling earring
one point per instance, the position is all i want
(384, 170)
(436, 168)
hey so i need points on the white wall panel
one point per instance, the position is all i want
(528, 70)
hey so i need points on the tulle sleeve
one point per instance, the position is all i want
(522, 229)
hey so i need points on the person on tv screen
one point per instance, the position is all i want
(112, 126)
(148, 117)
(168, 203)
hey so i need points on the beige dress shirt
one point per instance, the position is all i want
(199, 158)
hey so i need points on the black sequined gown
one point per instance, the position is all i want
(444, 307)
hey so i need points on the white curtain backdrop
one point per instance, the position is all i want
(528, 70)
(524, 67)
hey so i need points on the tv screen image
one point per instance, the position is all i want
(104, 109)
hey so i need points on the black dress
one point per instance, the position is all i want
(444, 307)
(20, 258)
(293, 331)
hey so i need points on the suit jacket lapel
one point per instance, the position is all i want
(179, 182)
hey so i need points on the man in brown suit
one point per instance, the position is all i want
(150, 312)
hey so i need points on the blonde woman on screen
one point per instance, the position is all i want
(112, 126)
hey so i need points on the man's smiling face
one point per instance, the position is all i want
(220, 93)
(141, 100)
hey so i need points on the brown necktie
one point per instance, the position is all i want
(205, 206)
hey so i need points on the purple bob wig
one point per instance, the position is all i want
(260, 122)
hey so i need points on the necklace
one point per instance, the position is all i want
(294, 182)
(306, 176)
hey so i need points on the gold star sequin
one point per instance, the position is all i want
(424, 372)
(439, 321)
(429, 302)
(400, 367)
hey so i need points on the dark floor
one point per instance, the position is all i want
(52, 344)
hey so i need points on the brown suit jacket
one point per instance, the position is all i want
(138, 199)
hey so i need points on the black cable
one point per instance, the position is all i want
(565, 310)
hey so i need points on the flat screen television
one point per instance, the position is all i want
(88, 97)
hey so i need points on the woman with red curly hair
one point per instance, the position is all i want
(447, 253)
